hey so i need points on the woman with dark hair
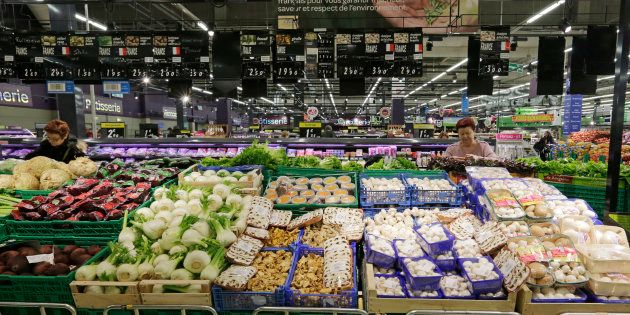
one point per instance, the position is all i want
(543, 145)
(57, 145)
(467, 144)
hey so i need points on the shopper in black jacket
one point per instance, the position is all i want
(543, 145)
(58, 144)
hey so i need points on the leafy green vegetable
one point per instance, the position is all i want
(210, 161)
(331, 163)
(309, 161)
(352, 166)
(255, 154)
(399, 163)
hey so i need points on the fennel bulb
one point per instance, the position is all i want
(86, 273)
(214, 202)
(194, 207)
(221, 190)
(160, 258)
(195, 194)
(127, 272)
(196, 261)
(181, 195)
(234, 201)
(221, 226)
(181, 274)
(94, 289)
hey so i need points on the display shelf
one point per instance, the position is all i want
(375, 304)
(525, 306)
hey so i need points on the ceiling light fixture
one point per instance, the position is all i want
(566, 26)
(82, 18)
(544, 11)
(267, 100)
(202, 25)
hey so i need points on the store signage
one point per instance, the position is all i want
(450, 121)
(465, 103)
(423, 126)
(320, 54)
(494, 51)
(350, 55)
(15, 95)
(113, 130)
(572, 114)
(436, 15)
(169, 112)
(93, 56)
(275, 120)
(60, 87)
(254, 127)
(255, 121)
(546, 118)
(116, 87)
(312, 112)
(7, 52)
(385, 112)
(310, 129)
(509, 136)
(289, 56)
(255, 54)
(106, 105)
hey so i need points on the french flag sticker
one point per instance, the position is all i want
(65, 51)
(177, 51)
(389, 47)
(122, 51)
(507, 45)
(417, 48)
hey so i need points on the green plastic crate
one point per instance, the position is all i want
(104, 229)
(594, 196)
(29, 194)
(45, 288)
(309, 173)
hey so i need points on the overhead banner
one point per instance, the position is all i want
(437, 16)
(572, 121)
(547, 118)
(494, 51)
(169, 112)
(15, 95)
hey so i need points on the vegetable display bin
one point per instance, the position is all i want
(482, 286)
(421, 197)
(581, 297)
(436, 248)
(249, 300)
(422, 282)
(344, 299)
(50, 289)
(446, 265)
(149, 298)
(29, 194)
(103, 229)
(403, 286)
(296, 208)
(88, 300)
(377, 258)
(372, 198)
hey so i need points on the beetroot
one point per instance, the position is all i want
(76, 253)
(93, 249)
(82, 259)
(41, 268)
(62, 258)
(27, 251)
(57, 270)
(18, 264)
(46, 249)
(69, 249)
(6, 256)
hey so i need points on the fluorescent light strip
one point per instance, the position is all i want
(82, 18)
(371, 90)
(453, 67)
(544, 11)
(238, 102)
(268, 101)
(282, 87)
(202, 25)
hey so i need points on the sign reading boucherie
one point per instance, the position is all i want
(106, 105)
(533, 118)
(15, 95)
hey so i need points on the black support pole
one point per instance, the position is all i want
(619, 100)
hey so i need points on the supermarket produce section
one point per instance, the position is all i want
(261, 228)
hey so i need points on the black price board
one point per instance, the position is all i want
(350, 55)
(255, 70)
(255, 54)
(380, 68)
(57, 71)
(137, 70)
(320, 54)
(113, 71)
(195, 70)
(84, 57)
(32, 71)
(288, 70)
(166, 71)
(494, 51)
(7, 56)
(112, 130)
(408, 53)
(310, 129)
(125, 56)
(149, 130)
(289, 58)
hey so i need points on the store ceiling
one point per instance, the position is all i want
(447, 51)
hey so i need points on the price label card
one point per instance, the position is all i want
(255, 70)
(113, 130)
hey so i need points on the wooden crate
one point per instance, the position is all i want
(252, 181)
(375, 304)
(150, 298)
(525, 306)
(101, 301)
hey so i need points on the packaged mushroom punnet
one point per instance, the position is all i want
(315, 190)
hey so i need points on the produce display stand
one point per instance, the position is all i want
(304, 310)
(103, 300)
(375, 304)
(161, 309)
(525, 306)
(437, 312)
(150, 298)
(20, 306)
(310, 173)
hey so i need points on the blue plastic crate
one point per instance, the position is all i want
(371, 198)
(403, 285)
(246, 300)
(421, 197)
(437, 247)
(446, 265)
(378, 258)
(345, 299)
(580, 299)
(422, 282)
(399, 258)
(483, 286)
